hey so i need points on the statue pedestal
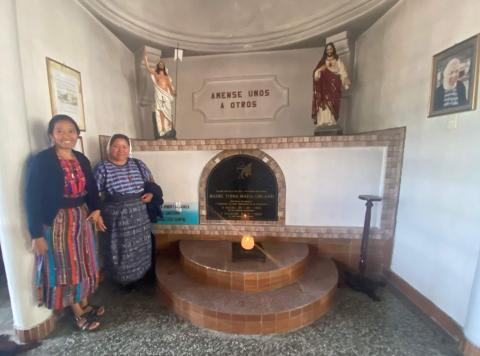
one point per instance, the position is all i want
(327, 130)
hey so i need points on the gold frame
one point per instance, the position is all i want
(65, 87)
(470, 47)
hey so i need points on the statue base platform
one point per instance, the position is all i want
(169, 135)
(327, 130)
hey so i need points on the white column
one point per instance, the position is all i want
(472, 325)
(15, 149)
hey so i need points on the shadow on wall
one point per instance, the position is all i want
(3, 276)
(39, 137)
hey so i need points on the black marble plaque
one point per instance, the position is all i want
(242, 187)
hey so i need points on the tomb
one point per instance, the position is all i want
(197, 275)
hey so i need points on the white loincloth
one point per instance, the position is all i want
(163, 104)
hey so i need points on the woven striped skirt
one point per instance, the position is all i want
(68, 272)
(126, 245)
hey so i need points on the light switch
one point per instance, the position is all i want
(452, 123)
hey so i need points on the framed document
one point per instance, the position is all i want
(65, 87)
(455, 78)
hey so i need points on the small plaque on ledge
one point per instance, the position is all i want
(240, 254)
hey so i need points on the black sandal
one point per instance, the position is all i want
(88, 320)
(98, 310)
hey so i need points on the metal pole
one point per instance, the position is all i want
(362, 264)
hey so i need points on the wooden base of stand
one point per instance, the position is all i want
(363, 284)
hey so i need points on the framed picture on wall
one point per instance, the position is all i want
(65, 85)
(79, 146)
(455, 78)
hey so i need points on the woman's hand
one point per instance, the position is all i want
(39, 246)
(100, 224)
(97, 219)
(147, 197)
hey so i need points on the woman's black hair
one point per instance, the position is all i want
(119, 136)
(61, 117)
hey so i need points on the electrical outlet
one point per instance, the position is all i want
(452, 123)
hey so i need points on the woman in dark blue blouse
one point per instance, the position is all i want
(127, 242)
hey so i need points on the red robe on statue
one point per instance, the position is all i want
(327, 92)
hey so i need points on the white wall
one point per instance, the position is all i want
(177, 172)
(65, 32)
(322, 184)
(438, 226)
(293, 69)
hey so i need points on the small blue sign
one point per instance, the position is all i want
(179, 213)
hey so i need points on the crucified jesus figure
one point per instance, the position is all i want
(164, 96)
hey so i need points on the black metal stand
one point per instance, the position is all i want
(358, 281)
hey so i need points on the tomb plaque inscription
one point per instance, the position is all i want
(242, 187)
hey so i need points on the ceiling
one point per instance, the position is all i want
(225, 26)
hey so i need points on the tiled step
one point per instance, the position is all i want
(232, 311)
(210, 262)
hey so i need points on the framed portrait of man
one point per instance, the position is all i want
(455, 78)
(65, 85)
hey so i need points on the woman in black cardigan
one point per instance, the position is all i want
(62, 203)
